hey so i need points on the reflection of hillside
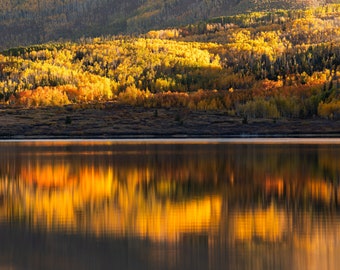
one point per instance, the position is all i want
(162, 192)
(100, 200)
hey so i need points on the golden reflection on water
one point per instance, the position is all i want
(230, 194)
(102, 200)
(268, 224)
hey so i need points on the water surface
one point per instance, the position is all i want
(148, 204)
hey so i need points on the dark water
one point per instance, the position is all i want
(147, 205)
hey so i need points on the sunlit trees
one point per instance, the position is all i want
(263, 64)
(329, 110)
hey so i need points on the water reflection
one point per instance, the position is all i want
(126, 193)
(275, 204)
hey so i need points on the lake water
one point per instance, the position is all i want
(185, 204)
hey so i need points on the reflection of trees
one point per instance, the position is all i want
(90, 194)
(162, 192)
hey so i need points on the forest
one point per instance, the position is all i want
(26, 22)
(273, 64)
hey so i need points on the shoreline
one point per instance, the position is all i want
(173, 138)
(116, 121)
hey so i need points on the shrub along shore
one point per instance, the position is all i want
(115, 121)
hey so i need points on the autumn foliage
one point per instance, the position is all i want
(257, 65)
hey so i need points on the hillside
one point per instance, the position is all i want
(282, 64)
(24, 22)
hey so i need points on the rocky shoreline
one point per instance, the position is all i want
(115, 121)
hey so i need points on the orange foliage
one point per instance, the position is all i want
(44, 96)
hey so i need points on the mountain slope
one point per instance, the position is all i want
(25, 22)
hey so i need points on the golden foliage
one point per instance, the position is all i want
(266, 54)
(329, 110)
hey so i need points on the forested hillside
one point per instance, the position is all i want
(24, 22)
(260, 64)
